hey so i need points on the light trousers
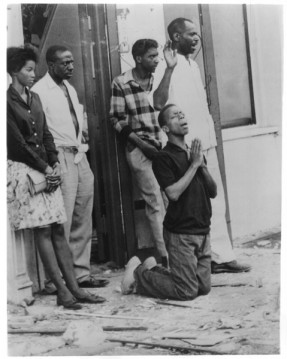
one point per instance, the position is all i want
(78, 193)
(141, 168)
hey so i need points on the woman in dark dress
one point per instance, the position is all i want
(30, 146)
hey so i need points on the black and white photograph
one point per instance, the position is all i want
(143, 179)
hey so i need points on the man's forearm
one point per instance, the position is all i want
(148, 150)
(133, 138)
(174, 191)
(127, 134)
(209, 182)
(160, 95)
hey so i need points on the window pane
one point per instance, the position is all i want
(231, 64)
(35, 17)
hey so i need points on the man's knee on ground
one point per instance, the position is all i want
(204, 288)
(188, 296)
(191, 291)
(186, 293)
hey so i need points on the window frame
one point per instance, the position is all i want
(210, 71)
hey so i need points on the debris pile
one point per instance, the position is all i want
(240, 316)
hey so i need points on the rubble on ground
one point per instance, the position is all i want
(241, 315)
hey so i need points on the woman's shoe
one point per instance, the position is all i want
(69, 304)
(90, 298)
(93, 282)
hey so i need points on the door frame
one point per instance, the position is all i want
(213, 100)
(108, 206)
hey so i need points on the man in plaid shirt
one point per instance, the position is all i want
(134, 118)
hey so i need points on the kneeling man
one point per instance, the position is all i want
(182, 173)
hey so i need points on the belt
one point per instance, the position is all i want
(72, 149)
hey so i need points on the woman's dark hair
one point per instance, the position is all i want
(140, 47)
(18, 56)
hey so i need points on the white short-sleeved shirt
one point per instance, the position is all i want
(187, 92)
(57, 111)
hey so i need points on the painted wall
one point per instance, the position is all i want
(14, 25)
(253, 170)
(133, 25)
(253, 154)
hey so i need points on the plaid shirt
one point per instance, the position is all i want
(130, 105)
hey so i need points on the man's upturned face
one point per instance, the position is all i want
(176, 122)
(188, 39)
(63, 67)
(150, 60)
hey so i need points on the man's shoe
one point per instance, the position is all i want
(229, 267)
(91, 299)
(93, 282)
(72, 304)
(45, 291)
(150, 263)
(128, 281)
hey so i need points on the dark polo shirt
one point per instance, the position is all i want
(191, 213)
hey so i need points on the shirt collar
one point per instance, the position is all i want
(51, 83)
(16, 96)
(185, 58)
(175, 147)
(128, 76)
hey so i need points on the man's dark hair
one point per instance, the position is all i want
(161, 116)
(18, 56)
(177, 25)
(140, 47)
(52, 50)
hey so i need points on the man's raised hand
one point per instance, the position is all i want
(170, 55)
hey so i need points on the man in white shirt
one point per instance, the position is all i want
(64, 115)
(181, 84)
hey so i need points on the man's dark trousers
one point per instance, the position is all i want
(189, 275)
